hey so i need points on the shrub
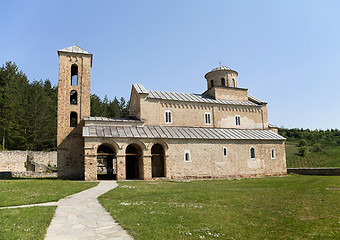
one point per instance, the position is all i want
(302, 143)
(303, 151)
(317, 147)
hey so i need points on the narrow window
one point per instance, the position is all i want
(252, 152)
(222, 82)
(272, 153)
(212, 83)
(237, 120)
(233, 83)
(168, 118)
(73, 97)
(187, 156)
(74, 75)
(73, 119)
(224, 152)
(207, 119)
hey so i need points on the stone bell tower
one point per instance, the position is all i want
(73, 105)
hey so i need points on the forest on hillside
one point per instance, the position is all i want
(28, 115)
(310, 137)
(28, 111)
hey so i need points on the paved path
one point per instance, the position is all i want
(32, 205)
(81, 217)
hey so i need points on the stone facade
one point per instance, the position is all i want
(193, 114)
(206, 159)
(220, 133)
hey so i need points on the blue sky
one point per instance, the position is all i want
(287, 53)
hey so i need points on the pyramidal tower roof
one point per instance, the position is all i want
(74, 49)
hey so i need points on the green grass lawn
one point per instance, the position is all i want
(25, 223)
(293, 207)
(31, 223)
(22, 192)
(329, 157)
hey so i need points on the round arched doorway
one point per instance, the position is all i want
(133, 162)
(106, 162)
(157, 161)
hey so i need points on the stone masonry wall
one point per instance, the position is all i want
(13, 160)
(16, 161)
(193, 114)
(206, 157)
(69, 139)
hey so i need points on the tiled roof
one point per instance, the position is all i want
(179, 133)
(140, 88)
(191, 97)
(220, 68)
(254, 99)
(106, 119)
(74, 49)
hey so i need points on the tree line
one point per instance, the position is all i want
(28, 111)
(310, 137)
(311, 141)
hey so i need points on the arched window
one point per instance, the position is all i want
(187, 157)
(238, 120)
(73, 97)
(207, 119)
(212, 83)
(252, 152)
(168, 117)
(222, 82)
(74, 75)
(272, 153)
(224, 152)
(73, 119)
(233, 83)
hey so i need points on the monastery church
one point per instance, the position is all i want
(221, 133)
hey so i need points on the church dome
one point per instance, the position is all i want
(221, 76)
(220, 68)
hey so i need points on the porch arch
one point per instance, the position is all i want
(158, 160)
(133, 161)
(106, 162)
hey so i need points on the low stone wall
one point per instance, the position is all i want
(315, 171)
(27, 174)
(13, 160)
(19, 161)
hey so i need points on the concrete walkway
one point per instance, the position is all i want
(81, 217)
(32, 205)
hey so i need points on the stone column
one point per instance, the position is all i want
(166, 167)
(90, 165)
(121, 173)
(147, 167)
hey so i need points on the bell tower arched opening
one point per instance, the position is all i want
(73, 97)
(158, 161)
(74, 75)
